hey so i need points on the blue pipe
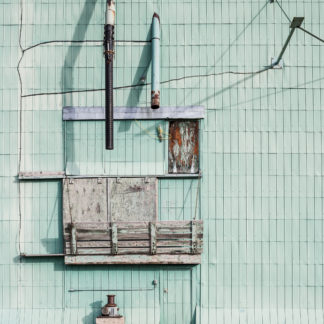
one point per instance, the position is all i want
(155, 91)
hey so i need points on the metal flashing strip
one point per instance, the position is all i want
(39, 175)
(129, 113)
(62, 175)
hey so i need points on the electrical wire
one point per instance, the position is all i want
(301, 28)
(82, 41)
(146, 84)
(311, 34)
(20, 124)
(284, 12)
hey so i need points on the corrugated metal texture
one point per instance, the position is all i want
(138, 150)
(261, 157)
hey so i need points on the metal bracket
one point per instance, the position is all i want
(114, 239)
(99, 180)
(153, 237)
(146, 180)
(275, 64)
(118, 180)
(193, 237)
(73, 240)
(71, 181)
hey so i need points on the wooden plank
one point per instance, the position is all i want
(114, 239)
(183, 150)
(141, 224)
(135, 250)
(73, 239)
(129, 113)
(133, 259)
(193, 238)
(132, 199)
(153, 238)
(107, 244)
(39, 175)
(172, 236)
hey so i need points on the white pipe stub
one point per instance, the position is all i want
(111, 13)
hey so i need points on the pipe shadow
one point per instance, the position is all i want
(67, 81)
(140, 77)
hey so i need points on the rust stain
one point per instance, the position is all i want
(184, 147)
(155, 99)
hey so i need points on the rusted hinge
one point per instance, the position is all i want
(73, 239)
(153, 237)
(114, 239)
(193, 237)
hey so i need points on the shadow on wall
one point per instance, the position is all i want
(96, 311)
(133, 99)
(70, 59)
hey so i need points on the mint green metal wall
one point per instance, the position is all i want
(261, 157)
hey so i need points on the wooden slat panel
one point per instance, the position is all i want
(135, 238)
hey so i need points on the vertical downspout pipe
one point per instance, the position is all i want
(155, 91)
(109, 55)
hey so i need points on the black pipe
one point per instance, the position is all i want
(109, 108)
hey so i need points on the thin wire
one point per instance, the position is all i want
(284, 12)
(135, 289)
(20, 124)
(146, 84)
(311, 34)
(150, 134)
(301, 28)
(82, 41)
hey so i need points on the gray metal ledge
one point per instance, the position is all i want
(129, 113)
(62, 175)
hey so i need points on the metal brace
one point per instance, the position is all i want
(146, 179)
(99, 180)
(118, 180)
(153, 237)
(193, 237)
(114, 239)
(71, 181)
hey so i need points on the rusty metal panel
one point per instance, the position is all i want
(184, 146)
(132, 199)
(84, 200)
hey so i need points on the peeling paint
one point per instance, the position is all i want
(184, 147)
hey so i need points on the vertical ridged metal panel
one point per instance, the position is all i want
(261, 156)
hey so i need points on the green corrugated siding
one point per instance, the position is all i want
(261, 158)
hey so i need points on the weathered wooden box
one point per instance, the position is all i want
(114, 221)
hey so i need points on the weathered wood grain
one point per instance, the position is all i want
(133, 259)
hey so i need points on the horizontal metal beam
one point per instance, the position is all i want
(129, 113)
(62, 175)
